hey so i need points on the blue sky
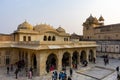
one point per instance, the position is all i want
(70, 14)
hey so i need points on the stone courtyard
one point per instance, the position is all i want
(93, 71)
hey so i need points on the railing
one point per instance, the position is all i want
(5, 43)
(10, 43)
(28, 43)
(80, 43)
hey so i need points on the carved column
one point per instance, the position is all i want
(29, 60)
(87, 55)
(70, 60)
(78, 60)
(42, 64)
(94, 52)
(38, 63)
(59, 57)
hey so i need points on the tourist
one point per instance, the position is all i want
(56, 75)
(16, 73)
(60, 75)
(94, 60)
(7, 69)
(71, 72)
(31, 69)
(26, 70)
(64, 68)
(30, 74)
(105, 61)
(11, 67)
(65, 76)
(69, 78)
(117, 69)
(118, 76)
(85, 63)
(52, 68)
(53, 76)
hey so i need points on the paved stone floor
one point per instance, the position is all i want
(113, 63)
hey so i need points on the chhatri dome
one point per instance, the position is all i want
(25, 25)
(95, 21)
(101, 18)
(43, 27)
(90, 18)
(60, 29)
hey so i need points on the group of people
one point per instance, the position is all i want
(29, 73)
(62, 75)
(18, 67)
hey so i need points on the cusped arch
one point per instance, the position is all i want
(49, 38)
(45, 38)
(66, 59)
(91, 55)
(75, 55)
(34, 60)
(75, 59)
(51, 62)
(83, 56)
(53, 38)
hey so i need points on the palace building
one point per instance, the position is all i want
(106, 36)
(42, 47)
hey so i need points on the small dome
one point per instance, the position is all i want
(95, 21)
(60, 29)
(101, 18)
(25, 25)
(91, 18)
(43, 27)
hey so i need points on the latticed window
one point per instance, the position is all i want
(66, 39)
(49, 38)
(24, 38)
(45, 38)
(29, 38)
(53, 38)
(7, 60)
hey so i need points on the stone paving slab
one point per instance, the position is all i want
(96, 72)
(113, 63)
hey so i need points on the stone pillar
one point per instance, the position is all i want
(94, 52)
(79, 58)
(87, 55)
(29, 60)
(59, 57)
(71, 55)
(38, 63)
(42, 64)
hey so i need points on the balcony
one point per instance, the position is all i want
(28, 43)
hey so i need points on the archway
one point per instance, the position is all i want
(75, 59)
(66, 59)
(83, 56)
(7, 60)
(91, 56)
(51, 62)
(34, 61)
